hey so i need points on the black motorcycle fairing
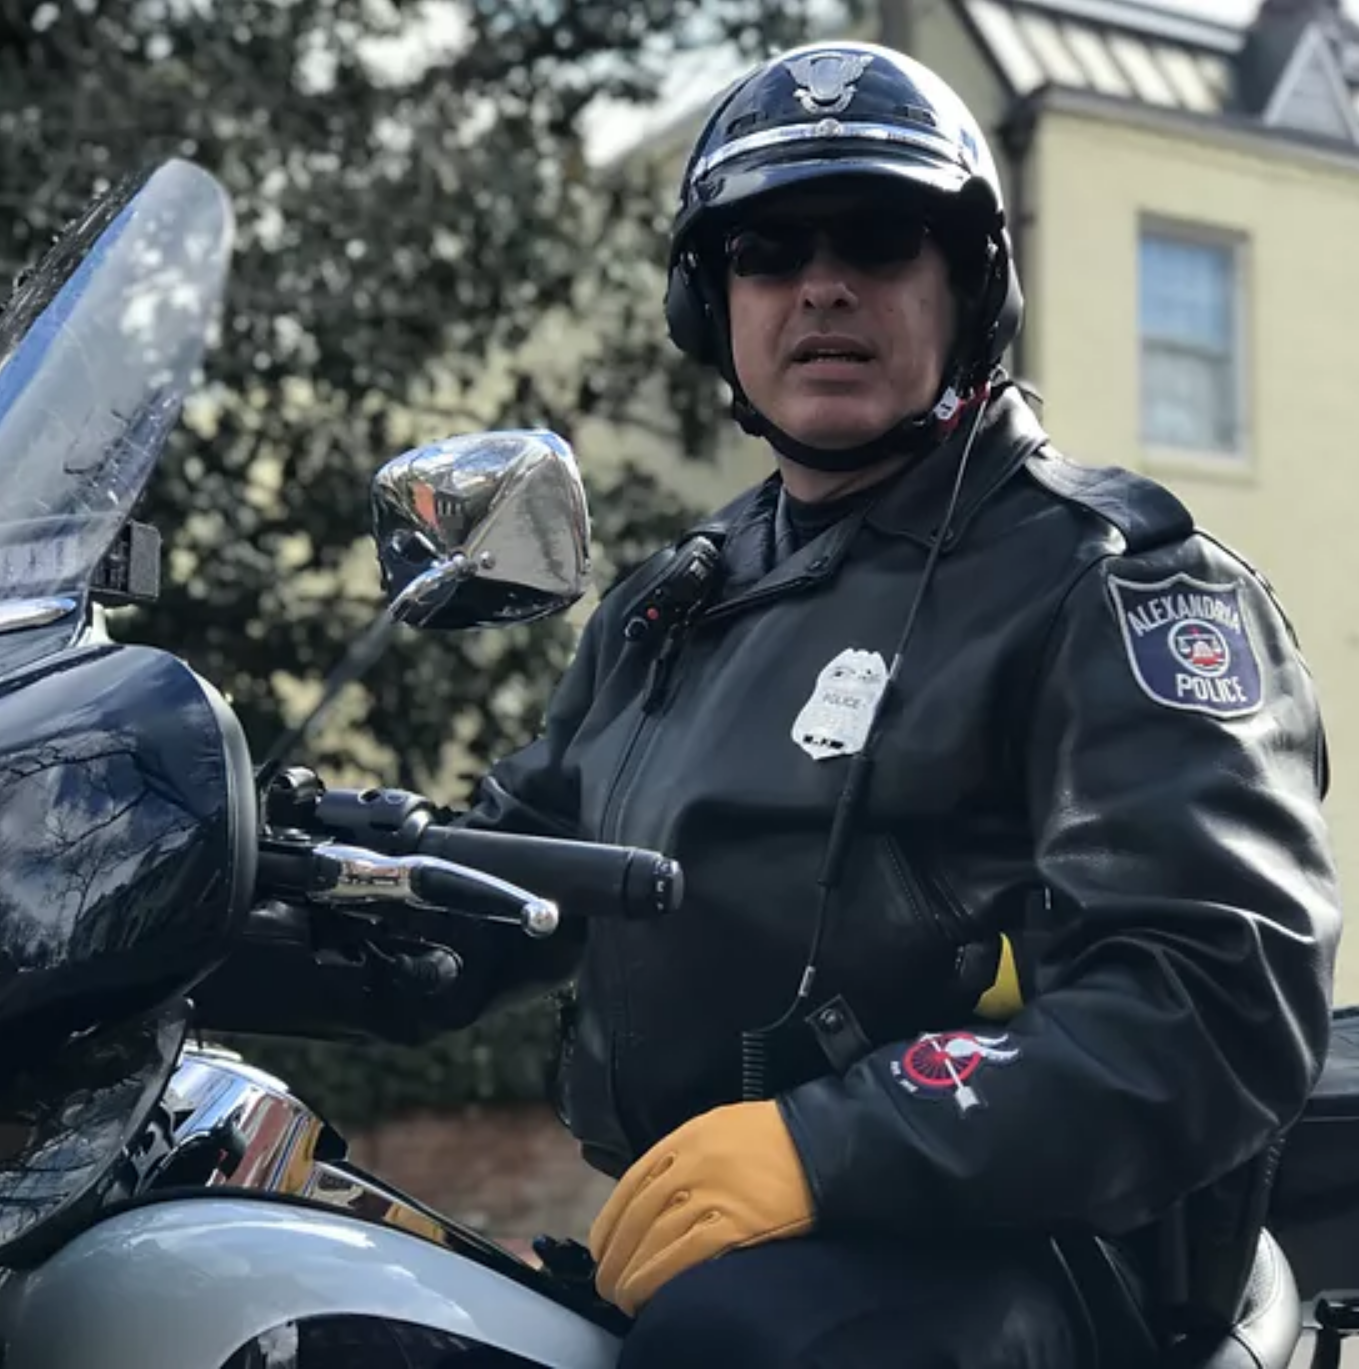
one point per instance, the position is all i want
(67, 1123)
(128, 832)
(21, 649)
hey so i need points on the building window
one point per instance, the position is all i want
(1189, 316)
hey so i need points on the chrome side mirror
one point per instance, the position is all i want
(483, 530)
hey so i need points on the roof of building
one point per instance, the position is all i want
(1294, 68)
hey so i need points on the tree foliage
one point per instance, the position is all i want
(414, 206)
(416, 214)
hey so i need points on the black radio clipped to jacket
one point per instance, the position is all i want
(684, 587)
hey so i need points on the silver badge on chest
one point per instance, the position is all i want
(836, 719)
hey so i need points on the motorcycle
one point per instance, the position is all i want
(163, 1203)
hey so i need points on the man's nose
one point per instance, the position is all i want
(825, 281)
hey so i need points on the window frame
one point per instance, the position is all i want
(1238, 457)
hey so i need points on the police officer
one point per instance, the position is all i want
(1011, 916)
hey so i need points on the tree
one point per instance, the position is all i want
(414, 201)
(415, 205)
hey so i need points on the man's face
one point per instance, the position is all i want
(842, 316)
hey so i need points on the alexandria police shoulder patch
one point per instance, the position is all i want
(1189, 646)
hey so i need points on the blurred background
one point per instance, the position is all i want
(453, 217)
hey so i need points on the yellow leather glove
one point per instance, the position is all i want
(726, 1179)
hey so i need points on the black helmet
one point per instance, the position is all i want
(842, 109)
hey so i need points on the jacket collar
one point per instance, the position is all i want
(911, 506)
(915, 504)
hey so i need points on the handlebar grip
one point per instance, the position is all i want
(585, 879)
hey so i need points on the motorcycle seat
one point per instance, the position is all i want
(1267, 1330)
(1264, 1335)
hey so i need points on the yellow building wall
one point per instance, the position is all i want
(1291, 507)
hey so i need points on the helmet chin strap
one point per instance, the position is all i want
(914, 437)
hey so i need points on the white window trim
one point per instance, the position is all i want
(1238, 461)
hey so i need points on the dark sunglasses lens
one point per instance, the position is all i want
(867, 244)
(876, 244)
(772, 251)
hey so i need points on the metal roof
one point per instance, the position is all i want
(1130, 50)
(1095, 47)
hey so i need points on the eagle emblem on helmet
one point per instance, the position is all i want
(826, 80)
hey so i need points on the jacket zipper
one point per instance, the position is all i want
(653, 697)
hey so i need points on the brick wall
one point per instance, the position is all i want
(508, 1171)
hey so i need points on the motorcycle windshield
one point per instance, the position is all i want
(98, 348)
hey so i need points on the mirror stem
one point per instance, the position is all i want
(433, 589)
(357, 661)
(439, 583)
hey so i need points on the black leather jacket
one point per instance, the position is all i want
(1105, 745)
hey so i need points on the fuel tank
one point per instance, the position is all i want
(215, 1282)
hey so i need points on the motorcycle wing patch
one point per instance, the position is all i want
(946, 1064)
(1189, 646)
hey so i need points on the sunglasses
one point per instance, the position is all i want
(782, 248)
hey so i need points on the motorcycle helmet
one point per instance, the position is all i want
(835, 110)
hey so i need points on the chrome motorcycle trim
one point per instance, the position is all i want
(22, 613)
(362, 875)
(541, 917)
(432, 589)
(358, 875)
(340, 1185)
(214, 1087)
(214, 1091)
(289, 1148)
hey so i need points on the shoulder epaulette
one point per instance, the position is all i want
(1144, 512)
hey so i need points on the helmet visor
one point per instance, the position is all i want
(733, 187)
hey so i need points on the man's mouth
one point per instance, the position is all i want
(836, 349)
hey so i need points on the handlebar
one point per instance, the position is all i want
(348, 938)
(583, 879)
(339, 874)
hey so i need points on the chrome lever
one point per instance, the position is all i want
(354, 874)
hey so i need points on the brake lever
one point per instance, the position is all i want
(345, 874)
